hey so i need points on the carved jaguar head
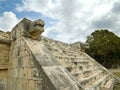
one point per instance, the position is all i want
(36, 28)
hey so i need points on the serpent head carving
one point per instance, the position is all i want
(36, 28)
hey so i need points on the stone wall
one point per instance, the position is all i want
(4, 59)
(23, 71)
(4, 55)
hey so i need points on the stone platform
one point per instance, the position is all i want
(29, 61)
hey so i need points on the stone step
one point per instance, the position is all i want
(84, 72)
(80, 67)
(98, 84)
(78, 60)
(81, 72)
(93, 80)
(65, 55)
(109, 84)
(70, 52)
(81, 63)
(73, 65)
(100, 81)
(72, 58)
(95, 75)
(88, 73)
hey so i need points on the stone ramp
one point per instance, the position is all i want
(55, 76)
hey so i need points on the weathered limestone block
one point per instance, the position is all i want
(10, 85)
(21, 73)
(20, 29)
(2, 84)
(27, 73)
(38, 85)
(19, 84)
(4, 35)
(15, 73)
(76, 45)
(27, 61)
(3, 73)
(4, 54)
(36, 73)
(20, 61)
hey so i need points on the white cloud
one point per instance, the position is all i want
(75, 16)
(7, 21)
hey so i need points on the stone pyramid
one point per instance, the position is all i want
(30, 61)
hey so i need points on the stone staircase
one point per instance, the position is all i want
(90, 75)
(31, 62)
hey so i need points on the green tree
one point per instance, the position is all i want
(104, 46)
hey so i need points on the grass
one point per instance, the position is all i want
(117, 74)
(117, 85)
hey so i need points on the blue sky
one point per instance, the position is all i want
(10, 5)
(65, 20)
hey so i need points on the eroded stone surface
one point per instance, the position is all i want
(28, 28)
(29, 61)
(36, 28)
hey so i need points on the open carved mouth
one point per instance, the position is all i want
(41, 25)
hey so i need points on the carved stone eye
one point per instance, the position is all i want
(39, 22)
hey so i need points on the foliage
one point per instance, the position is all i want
(104, 46)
